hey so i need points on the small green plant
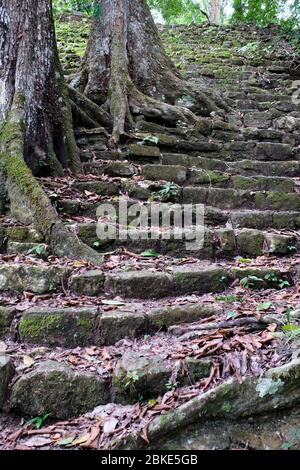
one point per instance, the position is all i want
(251, 282)
(39, 250)
(291, 248)
(232, 314)
(282, 283)
(170, 386)
(223, 279)
(150, 139)
(132, 377)
(37, 422)
(150, 253)
(264, 306)
(272, 277)
(169, 192)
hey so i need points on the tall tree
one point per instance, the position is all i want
(35, 119)
(128, 71)
(215, 12)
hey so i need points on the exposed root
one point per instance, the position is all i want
(90, 109)
(29, 204)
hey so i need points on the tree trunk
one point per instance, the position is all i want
(215, 12)
(128, 71)
(35, 120)
(29, 66)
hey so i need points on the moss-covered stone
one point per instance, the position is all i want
(21, 233)
(6, 318)
(226, 244)
(144, 151)
(37, 279)
(90, 283)
(280, 244)
(200, 280)
(198, 368)
(67, 327)
(250, 242)
(117, 325)
(140, 376)
(55, 388)
(139, 284)
(39, 249)
(162, 318)
(173, 173)
(6, 373)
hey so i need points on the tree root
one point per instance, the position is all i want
(87, 107)
(29, 204)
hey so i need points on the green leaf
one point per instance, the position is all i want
(231, 314)
(286, 445)
(66, 441)
(150, 254)
(292, 328)
(152, 403)
(264, 306)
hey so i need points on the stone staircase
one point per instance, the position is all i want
(155, 322)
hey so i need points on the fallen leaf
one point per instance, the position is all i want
(81, 440)
(28, 361)
(110, 425)
(65, 441)
(112, 302)
(38, 442)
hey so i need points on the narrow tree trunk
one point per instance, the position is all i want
(128, 71)
(215, 12)
(35, 120)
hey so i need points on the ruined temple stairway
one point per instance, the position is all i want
(156, 319)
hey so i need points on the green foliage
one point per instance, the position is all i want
(37, 422)
(131, 379)
(85, 6)
(179, 11)
(260, 12)
(250, 282)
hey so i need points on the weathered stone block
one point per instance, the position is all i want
(6, 373)
(139, 376)
(90, 283)
(54, 388)
(67, 327)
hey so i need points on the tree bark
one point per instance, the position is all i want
(35, 120)
(29, 66)
(215, 12)
(128, 71)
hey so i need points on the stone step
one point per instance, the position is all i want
(260, 219)
(233, 199)
(71, 327)
(176, 279)
(191, 279)
(180, 175)
(66, 391)
(245, 167)
(224, 180)
(202, 243)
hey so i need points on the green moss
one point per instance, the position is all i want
(36, 326)
(226, 408)
(84, 323)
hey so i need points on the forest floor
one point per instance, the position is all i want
(194, 350)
